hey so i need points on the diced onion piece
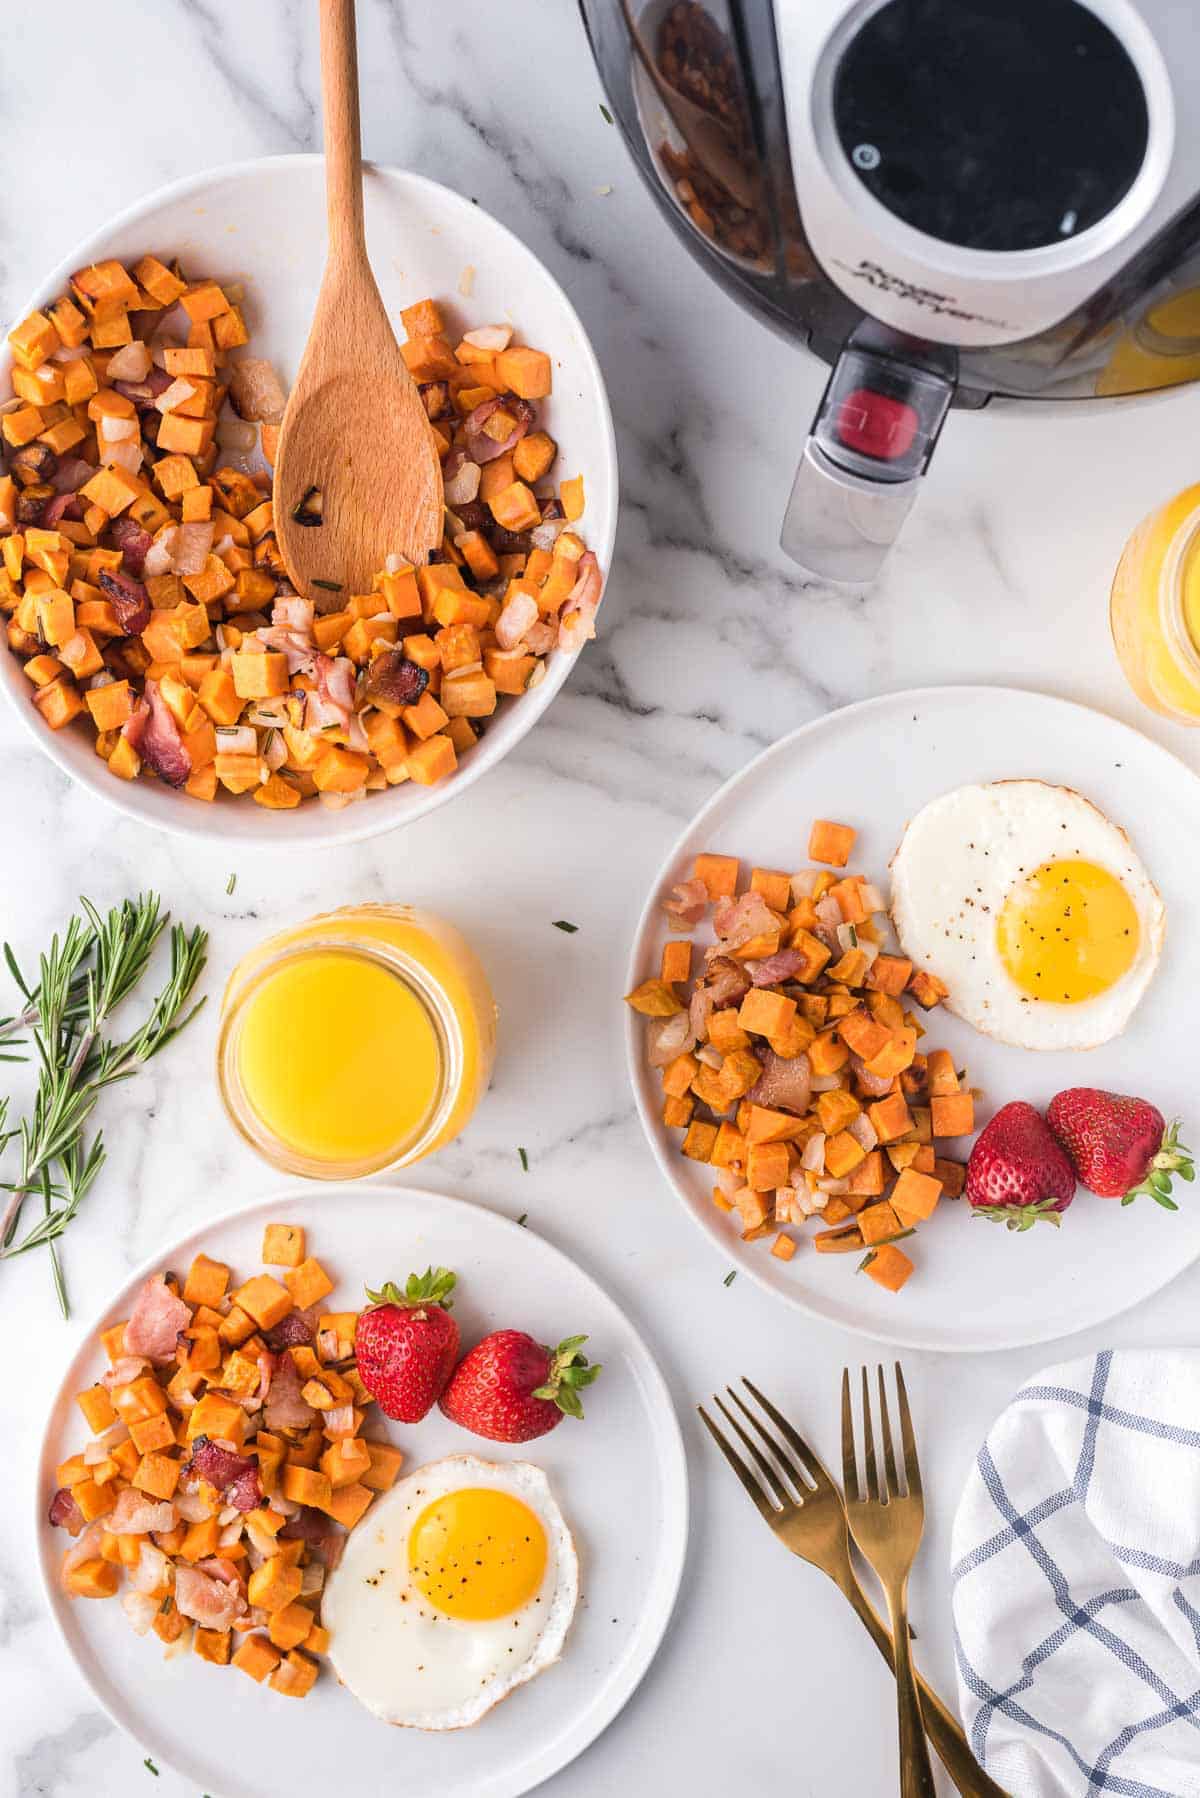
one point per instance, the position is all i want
(489, 337)
(812, 1159)
(826, 1083)
(174, 395)
(863, 1131)
(126, 456)
(463, 485)
(192, 547)
(804, 883)
(161, 552)
(129, 363)
(140, 1609)
(116, 430)
(871, 897)
(237, 739)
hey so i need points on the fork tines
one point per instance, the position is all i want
(868, 1489)
(792, 1474)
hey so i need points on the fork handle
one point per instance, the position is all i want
(943, 1730)
(916, 1774)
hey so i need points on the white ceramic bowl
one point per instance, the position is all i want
(263, 223)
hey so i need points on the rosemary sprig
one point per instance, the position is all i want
(82, 979)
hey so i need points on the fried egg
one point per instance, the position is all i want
(458, 1587)
(1033, 908)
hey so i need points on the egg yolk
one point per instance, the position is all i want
(478, 1553)
(1067, 932)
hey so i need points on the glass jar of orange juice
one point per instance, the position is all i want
(1155, 608)
(360, 1040)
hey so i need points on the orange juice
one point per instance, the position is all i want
(357, 1041)
(1155, 608)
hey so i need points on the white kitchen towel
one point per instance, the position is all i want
(1077, 1583)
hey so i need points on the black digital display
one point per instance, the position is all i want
(991, 124)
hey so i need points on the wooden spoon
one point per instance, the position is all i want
(356, 451)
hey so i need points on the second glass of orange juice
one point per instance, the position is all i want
(360, 1040)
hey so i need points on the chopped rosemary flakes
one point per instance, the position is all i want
(523, 1218)
(231, 883)
(524, 1159)
(730, 1277)
(150, 1767)
(329, 586)
(605, 114)
(564, 924)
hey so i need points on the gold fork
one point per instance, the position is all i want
(804, 1508)
(887, 1525)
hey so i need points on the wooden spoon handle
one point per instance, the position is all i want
(343, 141)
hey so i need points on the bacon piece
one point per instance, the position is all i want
(246, 1491)
(333, 700)
(217, 1567)
(393, 680)
(219, 1466)
(296, 1330)
(300, 650)
(130, 601)
(136, 1515)
(579, 609)
(64, 1513)
(726, 981)
(785, 1082)
(688, 904)
(63, 505)
(155, 735)
(286, 1409)
(481, 447)
(133, 543)
(738, 921)
(829, 922)
(784, 965)
(700, 1009)
(156, 1319)
(71, 473)
(210, 1602)
(316, 1529)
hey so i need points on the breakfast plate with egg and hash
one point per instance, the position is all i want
(462, 1576)
(1013, 927)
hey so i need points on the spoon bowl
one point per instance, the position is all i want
(357, 477)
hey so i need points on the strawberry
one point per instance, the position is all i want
(511, 1388)
(407, 1344)
(1017, 1173)
(1121, 1146)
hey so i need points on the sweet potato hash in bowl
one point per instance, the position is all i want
(155, 647)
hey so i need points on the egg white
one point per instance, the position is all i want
(409, 1662)
(959, 859)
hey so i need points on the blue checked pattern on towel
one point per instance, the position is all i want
(1077, 1583)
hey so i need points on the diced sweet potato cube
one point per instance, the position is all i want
(725, 1032)
(848, 894)
(831, 843)
(729, 1150)
(767, 1125)
(289, 1627)
(699, 1141)
(213, 1645)
(347, 1504)
(386, 1463)
(308, 1283)
(676, 962)
(654, 999)
(878, 1222)
(525, 372)
(890, 1117)
(93, 1579)
(275, 1585)
(868, 1179)
(266, 1301)
(836, 1110)
(816, 954)
(889, 1267)
(97, 1408)
(843, 1153)
(256, 1656)
(952, 1114)
(895, 1056)
(206, 1282)
(783, 1247)
(283, 1245)
(571, 495)
(215, 1415)
(157, 1475)
(294, 1676)
(678, 1075)
(927, 989)
(766, 1166)
(915, 1196)
(890, 974)
(719, 874)
(953, 1176)
(862, 1034)
(423, 319)
(828, 1054)
(152, 1433)
(765, 1012)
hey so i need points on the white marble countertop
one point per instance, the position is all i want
(711, 646)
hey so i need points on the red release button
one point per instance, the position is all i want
(874, 424)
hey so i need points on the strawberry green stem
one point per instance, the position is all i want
(1172, 1159)
(568, 1371)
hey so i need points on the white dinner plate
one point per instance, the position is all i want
(620, 1477)
(872, 765)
